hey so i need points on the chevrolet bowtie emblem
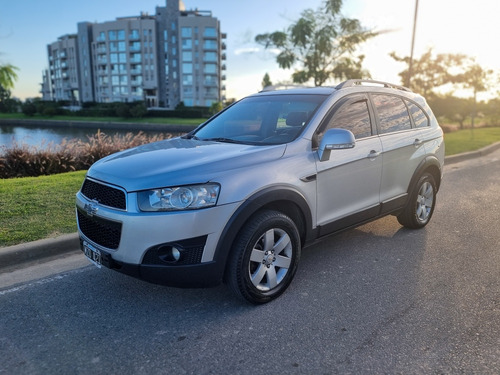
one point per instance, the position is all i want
(91, 208)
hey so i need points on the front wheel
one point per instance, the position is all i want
(264, 258)
(420, 207)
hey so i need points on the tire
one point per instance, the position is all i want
(264, 257)
(420, 207)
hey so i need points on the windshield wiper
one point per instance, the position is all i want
(221, 139)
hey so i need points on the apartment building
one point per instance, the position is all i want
(173, 56)
(63, 79)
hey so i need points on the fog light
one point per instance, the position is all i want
(176, 254)
(169, 254)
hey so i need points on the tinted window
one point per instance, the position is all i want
(419, 117)
(353, 116)
(392, 113)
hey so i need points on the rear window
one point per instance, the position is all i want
(419, 117)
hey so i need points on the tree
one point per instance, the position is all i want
(452, 108)
(266, 81)
(320, 45)
(430, 72)
(7, 76)
(474, 78)
(215, 107)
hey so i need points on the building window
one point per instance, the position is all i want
(187, 56)
(121, 34)
(187, 79)
(210, 68)
(134, 34)
(210, 32)
(186, 32)
(210, 56)
(187, 68)
(210, 44)
(187, 44)
(112, 34)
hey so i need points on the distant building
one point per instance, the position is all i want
(175, 56)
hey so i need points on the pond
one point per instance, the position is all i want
(41, 137)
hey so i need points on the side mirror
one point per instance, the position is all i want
(335, 139)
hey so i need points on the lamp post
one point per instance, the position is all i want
(408, 80)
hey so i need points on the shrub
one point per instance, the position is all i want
(29, 109)
(70, 155)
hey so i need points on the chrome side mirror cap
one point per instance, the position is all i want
(335, 139)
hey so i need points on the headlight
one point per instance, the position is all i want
(179, 198)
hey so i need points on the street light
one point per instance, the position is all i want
(408, 81)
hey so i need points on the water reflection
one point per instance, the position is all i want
(42, 137)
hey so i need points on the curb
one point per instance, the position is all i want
(30, 251)
(472, 154)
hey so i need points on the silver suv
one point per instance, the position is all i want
(238, 198)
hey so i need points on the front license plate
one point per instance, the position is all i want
(92, 254)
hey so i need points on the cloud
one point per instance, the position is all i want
(246, 51)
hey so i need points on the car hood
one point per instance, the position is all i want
(178, 161)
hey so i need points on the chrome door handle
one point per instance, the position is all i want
(417, 142)
(373, 154)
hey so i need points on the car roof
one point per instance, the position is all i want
(355, 84)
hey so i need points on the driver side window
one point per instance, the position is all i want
(352, 115)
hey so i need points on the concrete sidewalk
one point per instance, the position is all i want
(38, 250)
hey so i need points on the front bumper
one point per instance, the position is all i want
(134, 242)
(182, 276)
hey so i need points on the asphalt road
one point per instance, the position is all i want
(374, 300)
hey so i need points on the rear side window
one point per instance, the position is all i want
(392, 113)
(419, 117)
(352, 115)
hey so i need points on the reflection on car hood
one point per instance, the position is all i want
(178, 161)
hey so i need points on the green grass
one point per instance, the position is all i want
(470, 139)
(149, 120)
(33, 208)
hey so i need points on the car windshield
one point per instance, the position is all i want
(261, 120)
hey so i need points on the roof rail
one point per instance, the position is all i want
(366, 82)
(284, 87)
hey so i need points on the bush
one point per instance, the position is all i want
(29, 109)
(139, 110)
(71, 155)
(123, 111)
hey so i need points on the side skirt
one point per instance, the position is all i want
(349, 222)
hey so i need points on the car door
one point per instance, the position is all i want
(348, 183)
(403, 148)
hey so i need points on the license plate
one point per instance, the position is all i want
(92, 254)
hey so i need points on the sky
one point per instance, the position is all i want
(447, 26)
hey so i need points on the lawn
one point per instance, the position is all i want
(33, 208)
(470, 139)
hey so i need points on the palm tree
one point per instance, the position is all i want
(7, 76)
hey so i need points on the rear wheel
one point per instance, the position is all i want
(264, 258)
(420, 207)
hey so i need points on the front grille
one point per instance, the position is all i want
(103, 232)
(104, 194)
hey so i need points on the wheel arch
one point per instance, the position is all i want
(431, 165)
(283, 199)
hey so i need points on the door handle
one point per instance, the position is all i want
(417, 142)
(373, 154)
